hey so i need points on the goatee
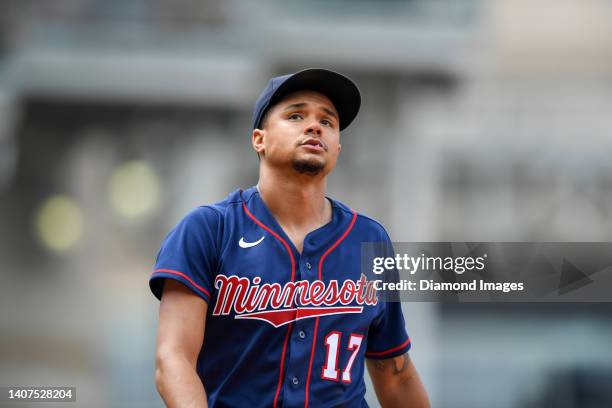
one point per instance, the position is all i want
(308, 167)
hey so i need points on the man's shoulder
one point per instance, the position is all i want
(234, 198)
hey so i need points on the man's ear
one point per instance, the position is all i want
(339, 147)
(257, 140)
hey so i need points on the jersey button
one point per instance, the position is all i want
(295, 381)
(302, 334)
(308, 265)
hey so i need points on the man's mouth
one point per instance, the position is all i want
(313, 143)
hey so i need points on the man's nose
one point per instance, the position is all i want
(314, 127)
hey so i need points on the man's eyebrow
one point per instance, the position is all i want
(301, 105)
(330, 112)
(295, 106)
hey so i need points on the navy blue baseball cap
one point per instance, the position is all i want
(340, 90)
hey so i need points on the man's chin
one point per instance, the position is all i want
(310, 167)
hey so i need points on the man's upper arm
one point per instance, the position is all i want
(189, 254)
(182, 318)
(388, 371)
(397, 383)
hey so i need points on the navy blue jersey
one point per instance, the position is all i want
(283, 328)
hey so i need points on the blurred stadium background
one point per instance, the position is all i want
(482, 120)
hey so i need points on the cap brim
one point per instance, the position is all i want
(341, 91)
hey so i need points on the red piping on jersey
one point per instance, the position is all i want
(350, 227)
(314, 337)
(282, 365)
(183, 276)
(290, 327)
(285, 244)
(391, 350)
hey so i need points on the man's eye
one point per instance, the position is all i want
(326, 122)
(295, 116)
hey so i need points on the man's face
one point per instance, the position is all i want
(300, 132)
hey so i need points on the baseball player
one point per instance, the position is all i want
(263, 303)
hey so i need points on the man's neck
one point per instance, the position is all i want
(297, 201)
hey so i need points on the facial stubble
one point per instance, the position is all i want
(310, 167)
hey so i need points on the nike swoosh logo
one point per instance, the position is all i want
(244, 244)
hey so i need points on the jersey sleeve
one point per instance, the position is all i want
(189, 254)
(387, 336)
